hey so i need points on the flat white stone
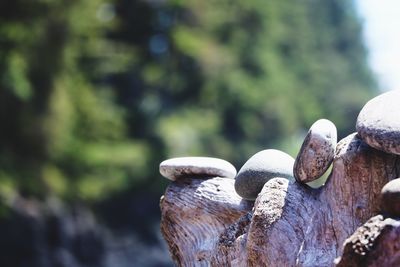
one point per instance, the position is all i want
(317, 151)
(176, 168)
(259, 169)
(378, 123)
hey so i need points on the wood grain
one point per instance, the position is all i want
(205, 223)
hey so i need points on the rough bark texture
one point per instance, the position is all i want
(205, 223)
(374, 244)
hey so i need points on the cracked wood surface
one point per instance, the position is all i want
(205, 223)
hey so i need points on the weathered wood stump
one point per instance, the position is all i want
(374, 244)
(205, 223)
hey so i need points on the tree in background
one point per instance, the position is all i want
(62, 131)
(228, 79)
(94, 94)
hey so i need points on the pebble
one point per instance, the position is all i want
(176, 168)
(259, 169)
(317, 152)
(378, 123)
(390, 198)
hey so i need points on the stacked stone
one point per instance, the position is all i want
(390, 198)
(259, 169)
(378, 125)
(314, 158)
(200, 167)
(317, 152)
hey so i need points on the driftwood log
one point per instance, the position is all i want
(205, 223)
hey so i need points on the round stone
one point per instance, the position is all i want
(176, 168)
(259, 169)
(317, 152)
(390, 198)
(378, 123)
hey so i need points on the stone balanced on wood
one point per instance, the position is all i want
(378, 123)
(317, 151)
(390, 196)
(290, 224)
(259, 169)
(181, 167)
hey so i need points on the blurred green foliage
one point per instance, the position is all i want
(94, 94)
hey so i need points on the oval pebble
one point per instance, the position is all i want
(378, 123)
(176, 168)
(390, 198)
(259, 169)
(317, 151)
